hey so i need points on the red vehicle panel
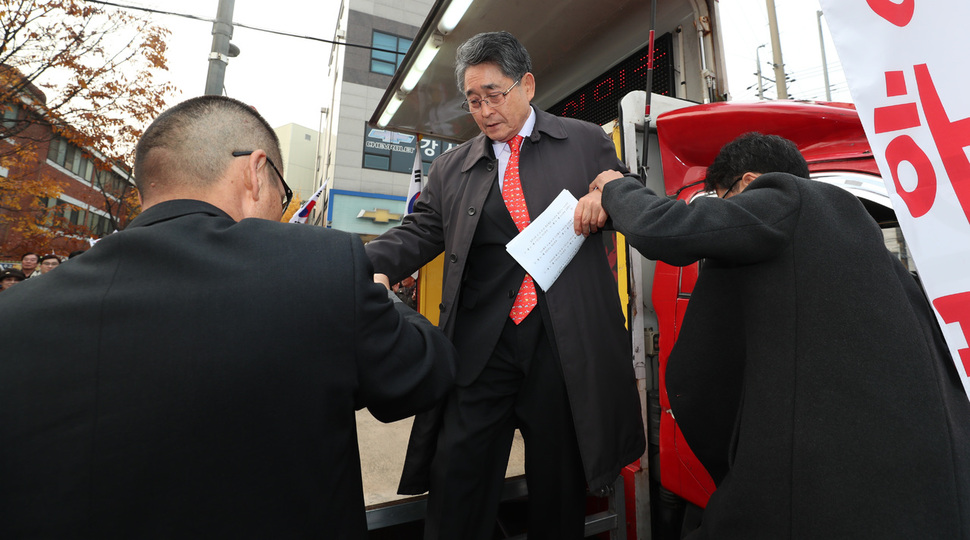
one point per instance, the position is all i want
(827, 134)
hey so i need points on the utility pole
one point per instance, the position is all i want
(825, 66)
(324, 111)
(221, 48)
(781, 82)
(761, 90)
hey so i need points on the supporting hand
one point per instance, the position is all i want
(589, 215)
(604, 178)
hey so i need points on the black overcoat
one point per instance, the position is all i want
(810, 376)
(195, 377)
(583, 304)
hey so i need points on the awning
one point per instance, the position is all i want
(570, 42)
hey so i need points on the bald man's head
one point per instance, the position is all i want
(190, 146)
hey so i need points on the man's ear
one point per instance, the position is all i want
(249, 180)
(747, 179)
(529, 85)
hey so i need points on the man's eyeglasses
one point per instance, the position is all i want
(731, 187)
(474, 105)
(288, 193)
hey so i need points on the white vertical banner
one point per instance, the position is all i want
(905, 62)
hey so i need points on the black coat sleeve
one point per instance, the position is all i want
(750, 227)
(404, 364)
(401, 250)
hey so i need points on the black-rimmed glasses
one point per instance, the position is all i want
(288, 193)
(492, 100)
(731, 187)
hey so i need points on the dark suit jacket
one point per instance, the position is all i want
(810, 376)
(583, 304)
(192, 376)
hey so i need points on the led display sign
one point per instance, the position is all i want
(597, 101)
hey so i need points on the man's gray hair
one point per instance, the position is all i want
(499, 48)
(191, 144)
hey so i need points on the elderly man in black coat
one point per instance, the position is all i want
(198, 372)
(563, 374)
(810, 376)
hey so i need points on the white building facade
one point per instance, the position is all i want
(300, 152)
(369, 169)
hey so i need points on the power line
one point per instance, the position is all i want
(241, 25)
(151, 10)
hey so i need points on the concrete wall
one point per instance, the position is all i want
(299, 147)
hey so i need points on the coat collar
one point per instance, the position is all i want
(167, 210)
(481, 146)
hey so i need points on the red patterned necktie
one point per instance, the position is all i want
(515, 202)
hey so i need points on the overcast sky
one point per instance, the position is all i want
(745, 27)
(286, 78)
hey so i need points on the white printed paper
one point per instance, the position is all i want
(546, 246)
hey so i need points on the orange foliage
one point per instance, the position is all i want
(294, 206)
(83, 72)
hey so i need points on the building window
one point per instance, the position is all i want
(110, 182)
(100, 225)
(376, 161)
(70, 157)
(11, 113)
(79, 217)
(97, 224)
(391, 53)
(57, 150)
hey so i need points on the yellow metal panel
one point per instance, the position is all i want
(621, 273)
(621, 249)
(429, 291)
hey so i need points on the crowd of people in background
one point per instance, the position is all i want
(31, 266)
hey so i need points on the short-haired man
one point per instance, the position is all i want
(555, 364)
(28, 265)
(810, 376)
(49, 262)
(193, 386)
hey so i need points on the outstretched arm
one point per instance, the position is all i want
(404, 363)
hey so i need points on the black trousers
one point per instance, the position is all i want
(521, 387)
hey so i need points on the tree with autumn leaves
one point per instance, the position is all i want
(74, 72)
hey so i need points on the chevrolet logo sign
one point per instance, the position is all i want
(390, 136)
(379, 215)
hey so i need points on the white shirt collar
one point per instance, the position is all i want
(501, 148)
